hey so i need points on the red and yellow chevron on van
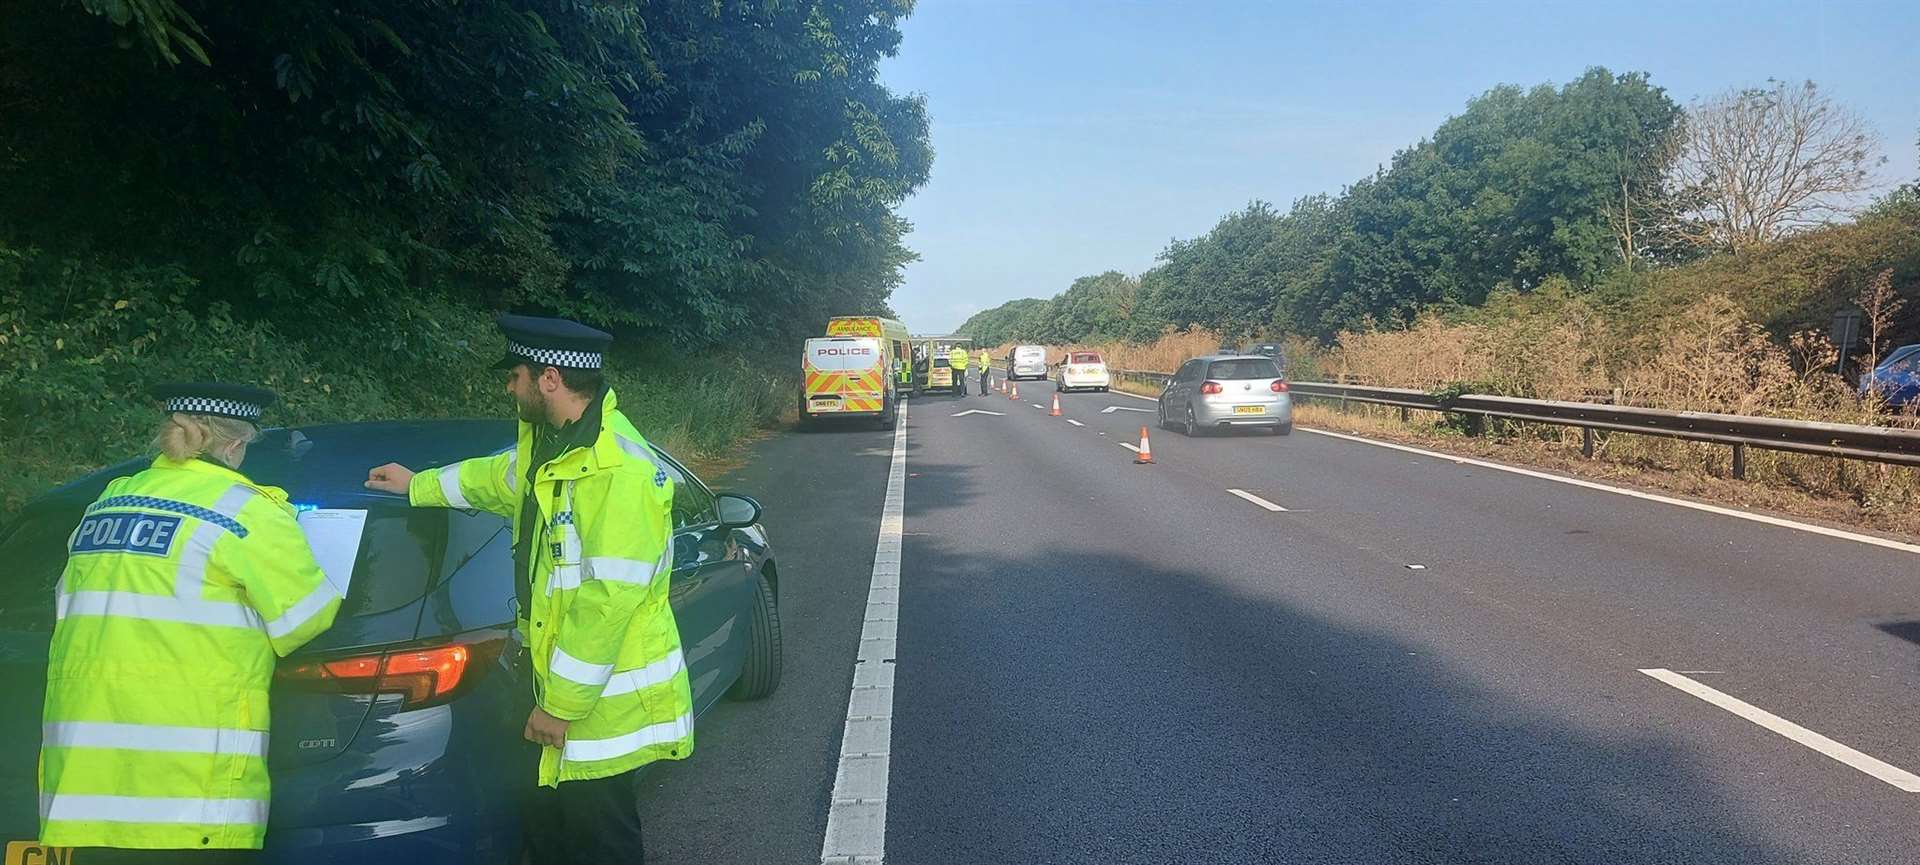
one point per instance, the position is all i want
(847, 376)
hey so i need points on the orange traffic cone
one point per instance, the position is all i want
(1056, 406)
(1013, 391)
(1145, 456)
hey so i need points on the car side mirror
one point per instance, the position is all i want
(736, 511)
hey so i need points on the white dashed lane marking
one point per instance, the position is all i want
(1258, 500)
(1891, 774)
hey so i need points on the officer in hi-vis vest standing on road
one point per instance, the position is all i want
(957, 361)
(184, 583)
(592, 557)
(986, 369)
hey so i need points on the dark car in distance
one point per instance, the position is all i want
(397, 733)
(1896, 380)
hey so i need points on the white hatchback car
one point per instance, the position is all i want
(1082, 370)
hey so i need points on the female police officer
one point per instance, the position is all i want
(183, 582)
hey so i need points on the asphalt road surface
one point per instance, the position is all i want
(1365, 655)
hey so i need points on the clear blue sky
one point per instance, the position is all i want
(1074, 136)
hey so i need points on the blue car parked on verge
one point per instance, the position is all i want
(1897, 378)
(396, 734)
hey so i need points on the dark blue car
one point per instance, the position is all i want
(396, 734)
(1897, 378)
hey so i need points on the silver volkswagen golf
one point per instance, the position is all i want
(1224, 391)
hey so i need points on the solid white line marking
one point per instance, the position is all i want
(1114, 408)
(1894, 775)
(979, 411)
(1037, 405)
(1134, 448)
(1075, 422)
(1651, 497)
(1258, 500)
(1134, 395)
(857, 811)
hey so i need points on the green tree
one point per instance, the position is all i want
(686, 169)
(1020, 320)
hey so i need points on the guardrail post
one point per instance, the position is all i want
(1739, 461)
(1586, 442)
(1403, 414)
(1476, 425)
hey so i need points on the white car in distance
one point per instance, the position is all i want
(1082, 370)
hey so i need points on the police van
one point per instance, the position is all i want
(848, 376)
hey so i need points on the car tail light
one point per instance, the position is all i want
(1211, 387)
(1279, 386)
(423, 675)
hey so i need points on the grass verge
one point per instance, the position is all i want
(82, 342)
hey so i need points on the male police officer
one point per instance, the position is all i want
(957, 360)
(986, 369)
(183, 583)
(592, 558)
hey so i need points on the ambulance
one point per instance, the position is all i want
(893, 337)
(852, 372)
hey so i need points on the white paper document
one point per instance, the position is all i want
(334, 535)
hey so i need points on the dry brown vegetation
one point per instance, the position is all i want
(1709, 358)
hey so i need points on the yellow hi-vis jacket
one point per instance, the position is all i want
(985, 360)
(957, 359)
(606, 652)
(182, 584)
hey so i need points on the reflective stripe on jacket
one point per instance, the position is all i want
(606, 652)
(182, 585)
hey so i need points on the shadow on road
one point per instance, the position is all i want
(1067, 706)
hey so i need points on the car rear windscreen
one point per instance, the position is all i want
(1246, 367)
(1085, 357)
(399, 557)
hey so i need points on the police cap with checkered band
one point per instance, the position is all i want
(551, 342)
(236, 401)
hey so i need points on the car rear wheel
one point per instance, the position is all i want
(1193, 428)
(890, 415)
(1285, 429)
(760, 677)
